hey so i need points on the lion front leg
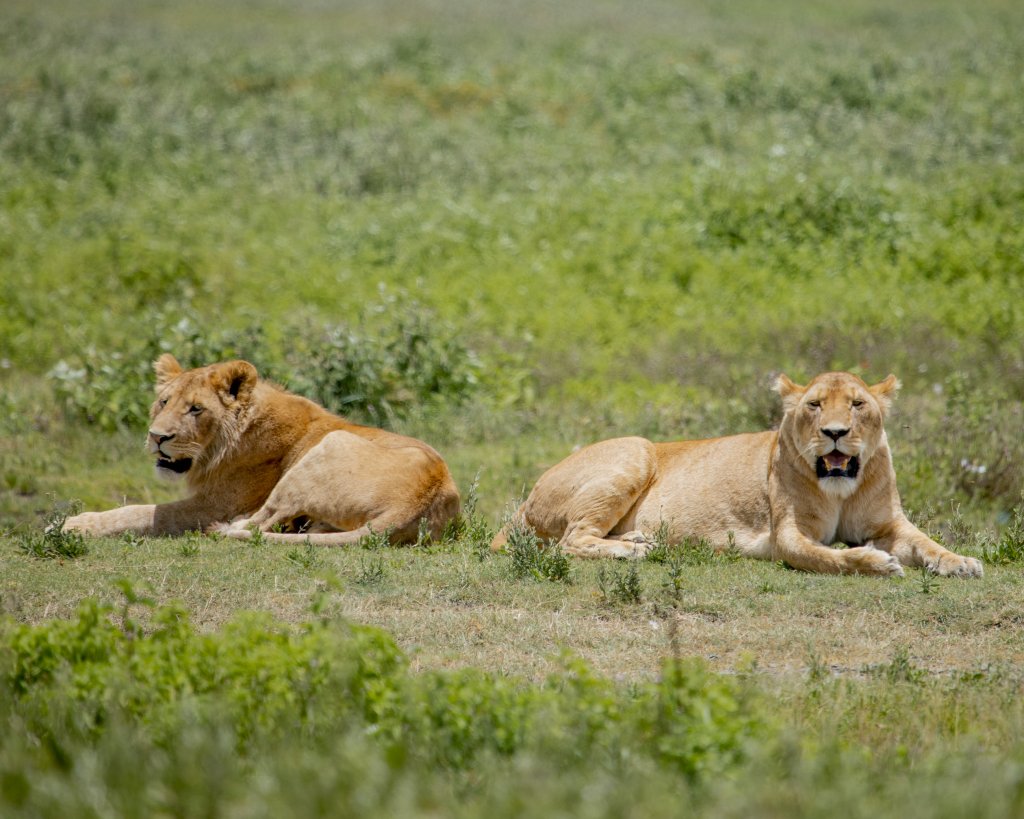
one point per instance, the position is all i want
(137, 519)
(802, 552)
(149, 519)
(912, 547)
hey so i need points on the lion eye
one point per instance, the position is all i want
(195, 409)
(858, 403)
(814, 404)
(162, 403)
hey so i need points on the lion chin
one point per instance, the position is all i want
(172, 470)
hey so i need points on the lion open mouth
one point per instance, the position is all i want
(180, 466)
(837, 464)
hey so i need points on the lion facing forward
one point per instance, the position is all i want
(261, 457)
(825, 476)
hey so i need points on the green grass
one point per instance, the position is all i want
(511, 231)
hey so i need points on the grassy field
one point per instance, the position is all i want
(510, 230)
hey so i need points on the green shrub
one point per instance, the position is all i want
(408, 360)
(264, 676)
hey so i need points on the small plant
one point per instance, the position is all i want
(471, 527)
(530, 557)
(132, 540)
(926, 581)
(129, 626)
(372, 571)
(308, 558)
(375, 540)
(190, 544)
(620, 586)
(690, 551)
(1009, 548)
(817, 670)
(901, 668)
(257, 540)
(662, 547)
(423, 536)
(676, 574)
(54, 543)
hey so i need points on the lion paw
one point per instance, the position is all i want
(636, 545)
(86, 523)
(238, 529)
(868, 559)
(954, 565)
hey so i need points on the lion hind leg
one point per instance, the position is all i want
(583, 498)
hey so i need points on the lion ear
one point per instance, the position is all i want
(236, 379)
(166, 367)
(790, 392)
(885, 391)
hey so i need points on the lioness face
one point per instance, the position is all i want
(194, 412)
(836, 425)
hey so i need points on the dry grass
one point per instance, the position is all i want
(448, 609)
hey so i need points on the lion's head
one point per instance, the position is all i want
(835, 423)
(198, 414)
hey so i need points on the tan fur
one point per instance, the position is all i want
(264, 458)
(759, 492)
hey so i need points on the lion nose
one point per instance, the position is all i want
(158, 437)
(835, 434)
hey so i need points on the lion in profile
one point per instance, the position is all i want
(825, 476)
(256, 456)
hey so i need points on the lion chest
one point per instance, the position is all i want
(836, 525)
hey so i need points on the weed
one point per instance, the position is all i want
(620, 585)
(900, 668)
(132, 597)
(662, 547)
(1009, 548)
(190, 544)
(530, 557)
(423, 537)
(257, 539)
(375, 540)
(926, 581)
(372, 571)
(310, 558)
(676, 574)
(817, 670)
(54, 543)
(471, 527)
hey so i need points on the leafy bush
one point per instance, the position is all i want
(265, 682)
(381, 374)
(375, 375)
(263, 675)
